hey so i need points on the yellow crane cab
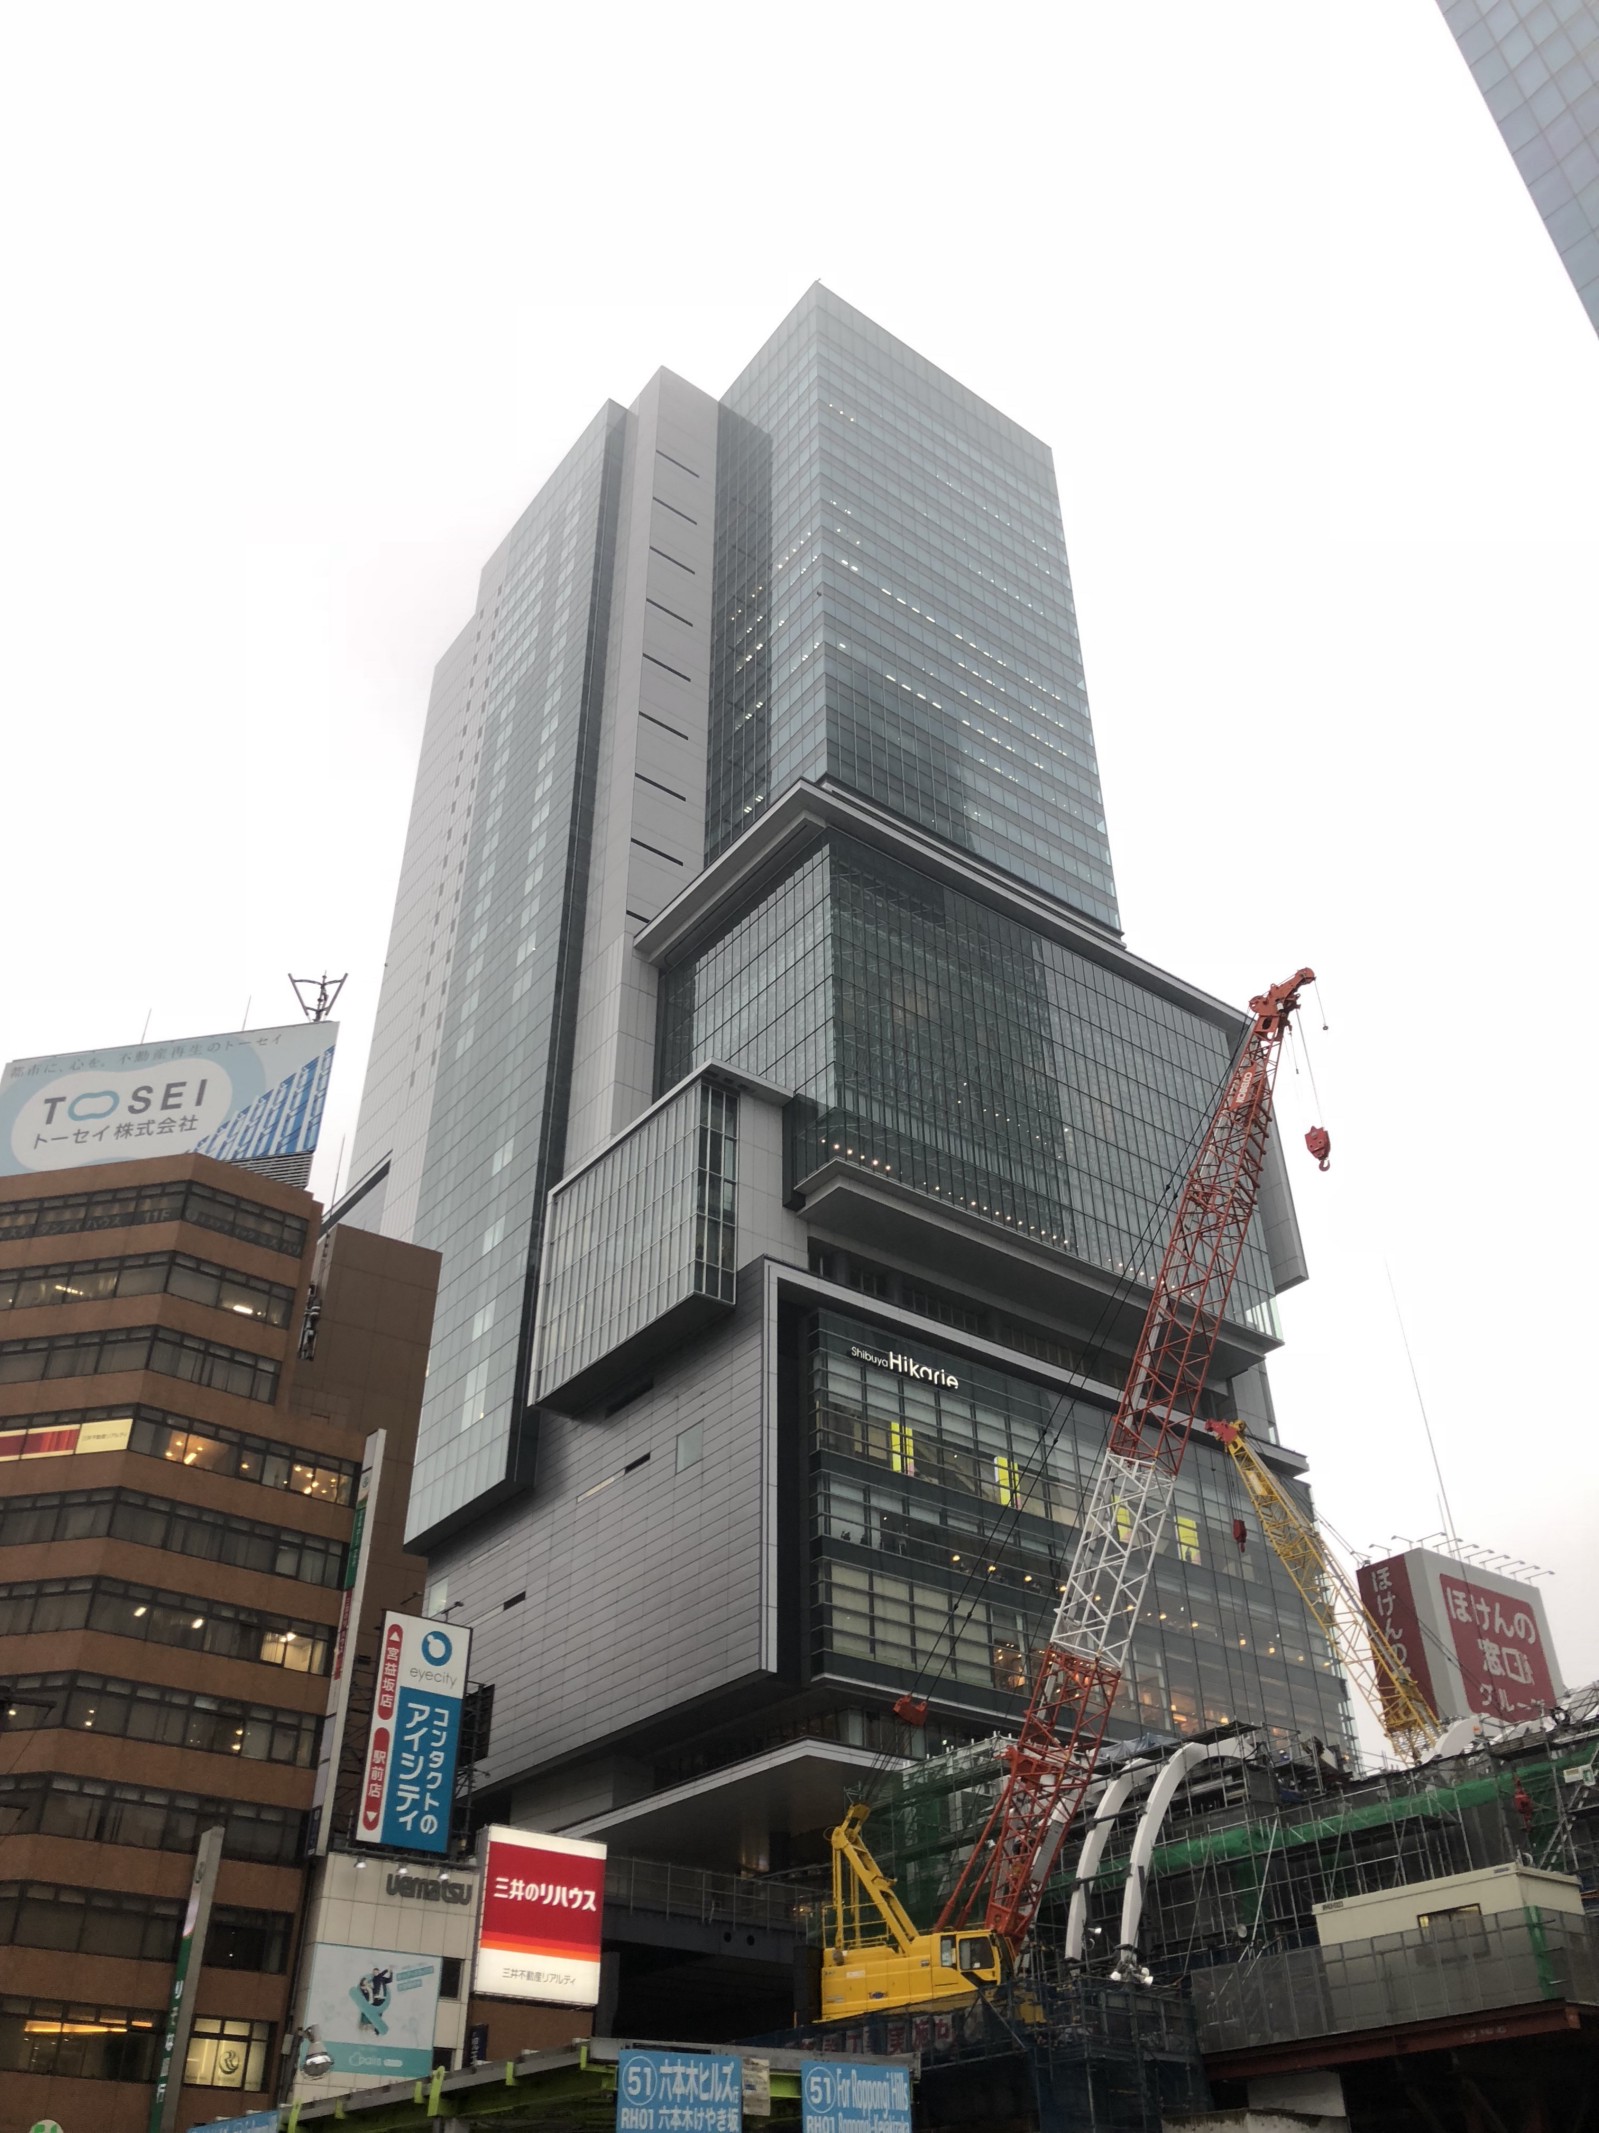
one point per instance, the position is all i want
(875, 1960)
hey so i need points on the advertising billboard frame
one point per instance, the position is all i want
(238, 1095)
(352, 1989)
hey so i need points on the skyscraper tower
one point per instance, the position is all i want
(1537, 65)
(759, 1048)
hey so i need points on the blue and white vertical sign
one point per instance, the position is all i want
(849, 2096)
(409, 1782)
(679, 2092)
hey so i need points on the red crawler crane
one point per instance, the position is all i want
(1051, 1763)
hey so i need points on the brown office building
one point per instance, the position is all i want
(181, 1440)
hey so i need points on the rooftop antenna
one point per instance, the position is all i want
(327, 995)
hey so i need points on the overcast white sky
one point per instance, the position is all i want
(305, 302)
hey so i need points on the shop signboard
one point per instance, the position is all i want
(543, 1910)
(1475, 1641)
(408, 1779)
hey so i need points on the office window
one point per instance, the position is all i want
(182, 1529)
(89, 1921)
(175, 1718)
(178, 1355)
(227, 2054)
(127, 1207)
(248, 1940)
(146, 1274)
(158, 1434)
(83, 2040)
(99, 1812)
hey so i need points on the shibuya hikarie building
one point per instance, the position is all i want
(760, 1049)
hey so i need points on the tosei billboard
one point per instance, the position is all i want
(241, 1094)
(373, 2010)
(408, 1780)
(1476, 1643)
(543, 1909)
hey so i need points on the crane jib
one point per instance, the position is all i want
(1052, 1761)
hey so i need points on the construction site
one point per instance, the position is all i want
(1210, 1929)
(1088, 1923)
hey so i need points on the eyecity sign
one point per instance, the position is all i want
(906, 1366)
(409, 1783)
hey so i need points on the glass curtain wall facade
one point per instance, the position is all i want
(647, 1225)
(895, 609)
(1537, 65)
(942, 1519)
(496, 1134)
(935, 1040)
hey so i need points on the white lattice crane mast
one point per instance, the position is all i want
(1051, 1763)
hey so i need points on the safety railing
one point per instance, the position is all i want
(707, 1898)
(1474, 1965)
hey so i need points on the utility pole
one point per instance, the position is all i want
(180, 2009)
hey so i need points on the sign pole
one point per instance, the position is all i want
(333, 1731)
(180, 2010)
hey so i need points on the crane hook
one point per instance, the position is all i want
(1319, 1141)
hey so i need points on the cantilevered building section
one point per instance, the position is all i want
(761, 1052)
(1537, 65)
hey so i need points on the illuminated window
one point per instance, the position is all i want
(226, 2054)
(1188, 1537)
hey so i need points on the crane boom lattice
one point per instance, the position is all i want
(1360, 1645)
(1052, 1761)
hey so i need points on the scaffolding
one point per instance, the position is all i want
(1242, 1879)
(1089, 2057)
(1251, 1848)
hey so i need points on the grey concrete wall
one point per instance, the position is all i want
(397, 1096)
(643, 1596)
(649, 820)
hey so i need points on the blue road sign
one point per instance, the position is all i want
(679, 2092)
(848, 2096)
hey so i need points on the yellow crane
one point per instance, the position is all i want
(875, 1957)
(1365, 1653)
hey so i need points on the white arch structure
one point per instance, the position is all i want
(1169, 1776)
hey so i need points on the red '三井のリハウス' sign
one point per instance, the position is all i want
(543, 1908)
